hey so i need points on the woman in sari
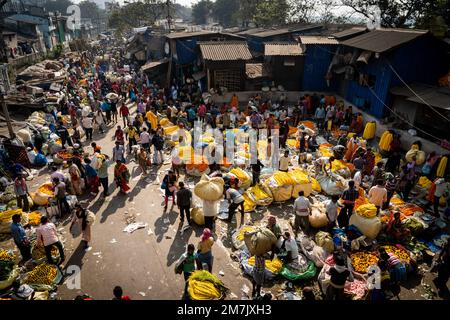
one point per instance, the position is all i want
(204, 252)
(121, 176)
(84, 219)
(396, 230)
(142, 159)
(75, 177)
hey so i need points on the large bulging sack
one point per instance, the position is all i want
(260, 241)
(209, 188)
(318, 217)
(282, 194)
(260, 194)
(370, 227)
(197, 216)
(332, 185)
(419, 154)
(306, 188)
(244, 178)
(324, 240)
(24, 135)
(369, 130)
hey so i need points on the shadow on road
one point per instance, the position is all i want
(77, 257)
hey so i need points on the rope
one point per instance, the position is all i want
(379, 99)
(426, 103)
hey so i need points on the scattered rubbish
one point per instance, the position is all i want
(96, 253)
(166, 221)
(221, 273)
(150, 231)
(134, 226)
(142, 293)
(150, 288)
(233, 296)
(113, 241)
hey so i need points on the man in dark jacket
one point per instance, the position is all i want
(184, 198)
(62, 132)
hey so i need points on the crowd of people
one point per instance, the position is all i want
(140, 138)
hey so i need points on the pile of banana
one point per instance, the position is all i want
(203, 285)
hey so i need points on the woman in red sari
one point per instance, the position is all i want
(122, 176)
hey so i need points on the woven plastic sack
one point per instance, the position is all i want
(312, 251)
(237, 238)
(315, 185)
(283, 179)
(197, 216)
(249, 204)
(332, 184)
(292, 275)
(260, 241)
(260, 195)
(209, 188)
(324, 240)
(244, 178)
(281, 194)
(14, 274)
(370, 227)
(318, 217)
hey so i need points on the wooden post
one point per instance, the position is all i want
(7, 118)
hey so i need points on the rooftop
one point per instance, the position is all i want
(282, 49)
(437, 97)
(342, 35)
(382, 40)
(184, 34)
(225, 50)
(287, 30)
(317, 40)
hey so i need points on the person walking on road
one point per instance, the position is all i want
(84, 219)
(204, 252)
(184, 199)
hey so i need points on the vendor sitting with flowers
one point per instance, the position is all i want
(396, 230)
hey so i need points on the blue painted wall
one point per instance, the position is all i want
(422, 60)
(317, 62)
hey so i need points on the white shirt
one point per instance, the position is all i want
(440, 189)
(377, 195)
(332, 210)
(87, 122)
(357, 178)
(301, 206)
(291, 245)
(284, 163)
(144, 137)
(234, 195)
(209, 208)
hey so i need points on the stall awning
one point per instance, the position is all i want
(153, 64)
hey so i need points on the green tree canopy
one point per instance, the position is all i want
(201, 10)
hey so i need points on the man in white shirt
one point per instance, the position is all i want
(47, 236)
(289, 248)
(209, 212)
(358, 179)
(302, 210)
(145, 139)
(321, 163)
(284, 162)
(332, 212)
(378, 194)
(87, 124)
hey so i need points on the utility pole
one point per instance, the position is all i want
(4, 88)
(169, 18)
(12, 135)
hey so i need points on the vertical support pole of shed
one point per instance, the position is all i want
(7, 118)
(208, 78)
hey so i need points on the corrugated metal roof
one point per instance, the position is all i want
(406, 92)
(184, 34)
(153, 64)
(436, 97)
(225, 50)
(257, 70)
(349, 32)
(281, 31)
(382, 40)
(282, 49)
(317, 40)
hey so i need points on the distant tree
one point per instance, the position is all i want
(201, 10)
(57, 5)
(247, 11)
(136, 14)
(394, 13)
(225, 12)
(271, 12)
(302, 10)
(89, 10)
(436, 18)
